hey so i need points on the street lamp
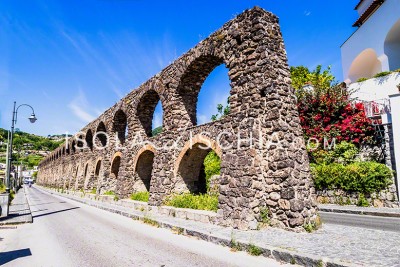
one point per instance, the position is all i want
(32, 119)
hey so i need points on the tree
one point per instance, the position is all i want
(302, 76)
(156, 131)
(222, 111)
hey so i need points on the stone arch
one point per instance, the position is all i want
(101, 134)
(76, 177)
(120, 125)
(79, 143)
(392, 46)
(365, 65)
(143, 167)
(145, 110)
(115, 165)
(68, 148)
(189, 167)
(192, 80)
(96, 174)
(89, 139)
(73, 146)
(86, 174)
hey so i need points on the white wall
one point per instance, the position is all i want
(392, 46)
(372, 34)
(376, 88)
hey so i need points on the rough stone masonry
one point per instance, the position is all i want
(264, 164)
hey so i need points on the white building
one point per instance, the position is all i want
(375, 46)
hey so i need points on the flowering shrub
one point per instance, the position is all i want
(330, 113)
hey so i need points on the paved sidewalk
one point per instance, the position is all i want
(333, 245)
(384, 212)
(19, 210)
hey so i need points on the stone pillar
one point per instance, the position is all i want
(395, 112)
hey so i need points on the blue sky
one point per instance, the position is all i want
(71, 60)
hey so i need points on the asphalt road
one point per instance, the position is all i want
(66, 233)
(364, 221)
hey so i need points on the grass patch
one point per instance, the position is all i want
(235, 246)
(254, 250)
(312, 226)
(190, 201)
(109, 193)
(140, 196)
(151, 222)
(177, 230)
(362, 79)
(93, 191)
(382, 74)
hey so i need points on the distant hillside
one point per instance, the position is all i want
(32, 148)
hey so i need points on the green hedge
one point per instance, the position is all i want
(363, 177)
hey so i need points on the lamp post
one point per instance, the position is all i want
(32, 119)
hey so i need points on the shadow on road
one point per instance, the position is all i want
(53, 212)
(15, 254)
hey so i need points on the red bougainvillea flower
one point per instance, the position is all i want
(332, 114)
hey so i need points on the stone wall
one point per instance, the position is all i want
(386, 198)
(264, 164)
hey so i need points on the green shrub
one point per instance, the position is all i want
(190, 201)
(140, 196)
(212, 166)
(398, 70)
(363, 177)
(93, 191)
(254, 250)
(344, 152)
(11, 197)
(362, 201)
(2, 188)
(362, 79)
(382, 74)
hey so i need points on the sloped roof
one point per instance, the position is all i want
(359, 3)
(368, 12)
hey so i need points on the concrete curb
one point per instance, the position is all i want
(360, 212)
(279, 254)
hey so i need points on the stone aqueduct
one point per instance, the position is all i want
(253, 175)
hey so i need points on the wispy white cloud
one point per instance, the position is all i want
(79, 106)
(307, 13)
